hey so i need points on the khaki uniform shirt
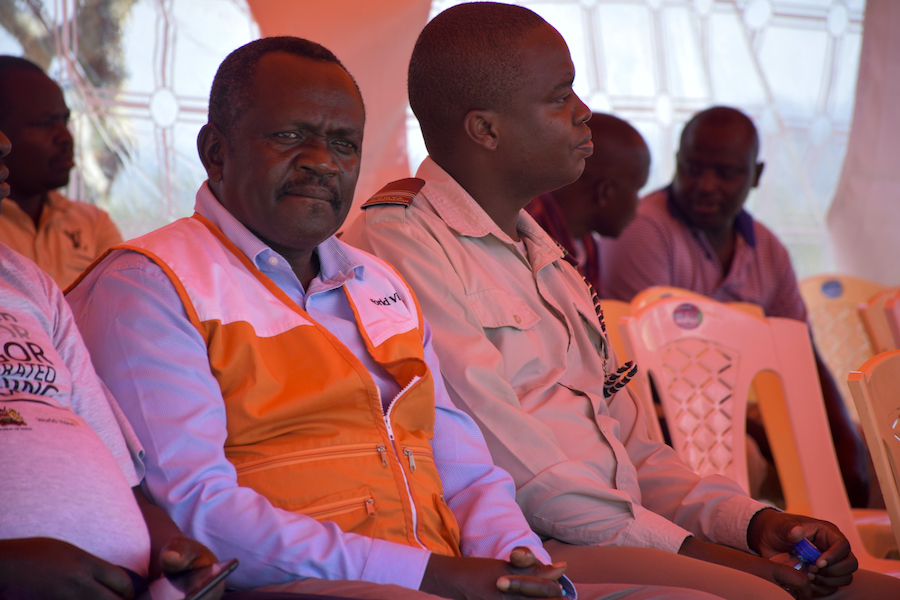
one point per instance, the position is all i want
(69, 236)
(519, 344)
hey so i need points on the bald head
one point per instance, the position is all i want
(605, 197)
(467, 58)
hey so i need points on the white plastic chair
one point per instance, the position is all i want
(876, 391)
(658, 292)
(843, 343)
(702, 356)
(687, 345)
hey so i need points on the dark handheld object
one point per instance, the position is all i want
(189, 585)
(805, 553)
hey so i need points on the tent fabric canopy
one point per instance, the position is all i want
(137, 74)
(375, 40)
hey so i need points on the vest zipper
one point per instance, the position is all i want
(332, 509)
(390, 431)
(382, 450)
(412, 460)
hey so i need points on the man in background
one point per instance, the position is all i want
(695, 234)
(62, 236)
(602, 201)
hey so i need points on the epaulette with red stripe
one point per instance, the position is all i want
(401, 192)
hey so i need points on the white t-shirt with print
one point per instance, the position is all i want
(68, 458)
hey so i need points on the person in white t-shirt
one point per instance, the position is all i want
(74, 524)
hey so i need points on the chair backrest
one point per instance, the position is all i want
(876, 392)
(874, 315)
(841, 338)
(698, 354)
(892, 314)
(657, 292)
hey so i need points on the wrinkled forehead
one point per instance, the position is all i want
(285, 81)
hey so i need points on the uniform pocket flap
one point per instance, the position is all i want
(496, 308)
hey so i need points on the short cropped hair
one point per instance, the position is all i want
(232, 92)
(722, 115)
(12, 63)
(466, 58)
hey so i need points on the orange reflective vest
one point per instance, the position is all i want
(306, 427)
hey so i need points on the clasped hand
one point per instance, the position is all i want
(523, 576)
(773, 534)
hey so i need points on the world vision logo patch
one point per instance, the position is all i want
(386, 301)
(9, 417)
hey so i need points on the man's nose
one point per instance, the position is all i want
(317, 156)
(62, 135)
(708, 181)
(581, 113)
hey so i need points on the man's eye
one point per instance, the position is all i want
(347, 144)
(728, 173)
(288, 135)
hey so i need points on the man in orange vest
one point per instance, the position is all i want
(284, 384)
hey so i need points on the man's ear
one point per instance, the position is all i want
(758, 174)
(212, 146)
(481, 127)
(604, 192)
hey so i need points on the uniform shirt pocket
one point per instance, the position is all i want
(497, 308)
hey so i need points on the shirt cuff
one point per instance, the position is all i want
(397, 564)
(651, 530)
(733, 519)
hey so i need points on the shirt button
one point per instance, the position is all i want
(273, 260)
(517, 318)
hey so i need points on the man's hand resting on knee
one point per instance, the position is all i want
(772, 533)
(469, 578)
(776, 571)
(55, 570)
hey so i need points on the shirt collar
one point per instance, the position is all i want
(336, 263)
(743, 223)
(464, 215)
(454, 204)
(57, 201)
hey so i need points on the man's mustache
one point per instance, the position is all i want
(322, 188)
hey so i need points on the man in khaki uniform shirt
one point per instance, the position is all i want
(62, 236)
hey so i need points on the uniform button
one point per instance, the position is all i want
(517, 318)
(273, 260)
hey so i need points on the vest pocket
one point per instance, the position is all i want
(302, 456)
(352, 510)
(325, 512)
